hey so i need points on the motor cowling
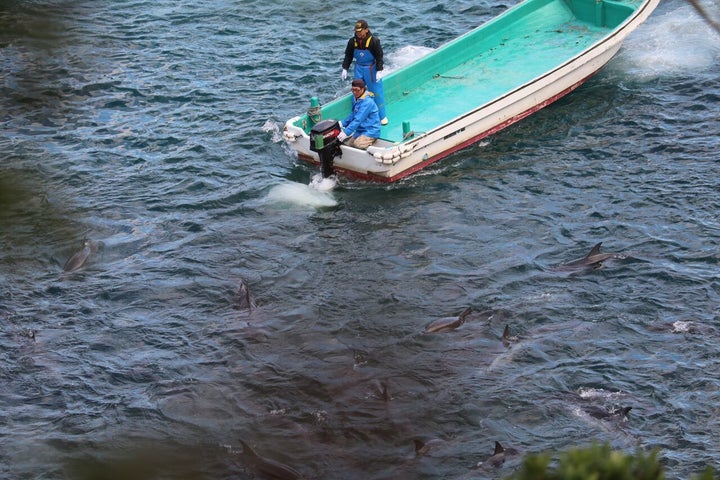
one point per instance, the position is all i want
(323, 140)
(329, 129)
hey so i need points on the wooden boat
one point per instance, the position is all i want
(473, 86)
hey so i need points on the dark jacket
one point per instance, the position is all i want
(373, 45)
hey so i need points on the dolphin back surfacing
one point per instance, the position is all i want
(500, 454)
(267, 467)
(448, 323)
(593, 259)
(245, 299)
(80, 257)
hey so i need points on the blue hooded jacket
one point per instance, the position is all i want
(364, 118)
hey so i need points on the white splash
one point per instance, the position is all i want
(273, 128)
(323, 184)
(671, 43)
(598, 393)
(405, 56)
(681, 327)
(293, 194)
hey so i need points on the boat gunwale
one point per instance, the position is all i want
(612, 34)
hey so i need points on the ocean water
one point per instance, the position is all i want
(152, 129)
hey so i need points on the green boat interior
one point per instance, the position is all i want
(485, 63)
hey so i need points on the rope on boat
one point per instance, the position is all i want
(315, 114)
(449, 77)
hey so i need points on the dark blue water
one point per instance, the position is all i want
(153, 129)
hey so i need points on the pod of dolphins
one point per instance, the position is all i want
(267, 467)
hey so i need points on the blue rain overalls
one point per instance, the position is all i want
(366, 70)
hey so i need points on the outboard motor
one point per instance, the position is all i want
(323, 140)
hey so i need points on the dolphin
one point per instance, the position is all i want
(80, 257)
(381, 390)
(605, 413)
(593, 259)
(683, 326)
(245, 298)
(513, 347)
(499, 456)
(508, 339)
(424, 446)
(606, 410)
(31, 334)
(447, 324)
(268, 467)
(611, 419)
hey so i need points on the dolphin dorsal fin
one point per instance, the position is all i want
(595, 250)
(506, 333)
(248, 451)
(384, 393)
(498, 448)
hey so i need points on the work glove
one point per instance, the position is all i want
(342, 137)
(343, 75)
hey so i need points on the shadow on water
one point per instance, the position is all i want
(40, 73)
(145, 459)
(24, 201)
(36, 224)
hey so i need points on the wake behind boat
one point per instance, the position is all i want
(479, 83)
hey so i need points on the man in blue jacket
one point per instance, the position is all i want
(362, 126)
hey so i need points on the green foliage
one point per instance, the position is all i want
(708, 474)
(597, 462)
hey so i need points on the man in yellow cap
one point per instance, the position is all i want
(368, 54)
